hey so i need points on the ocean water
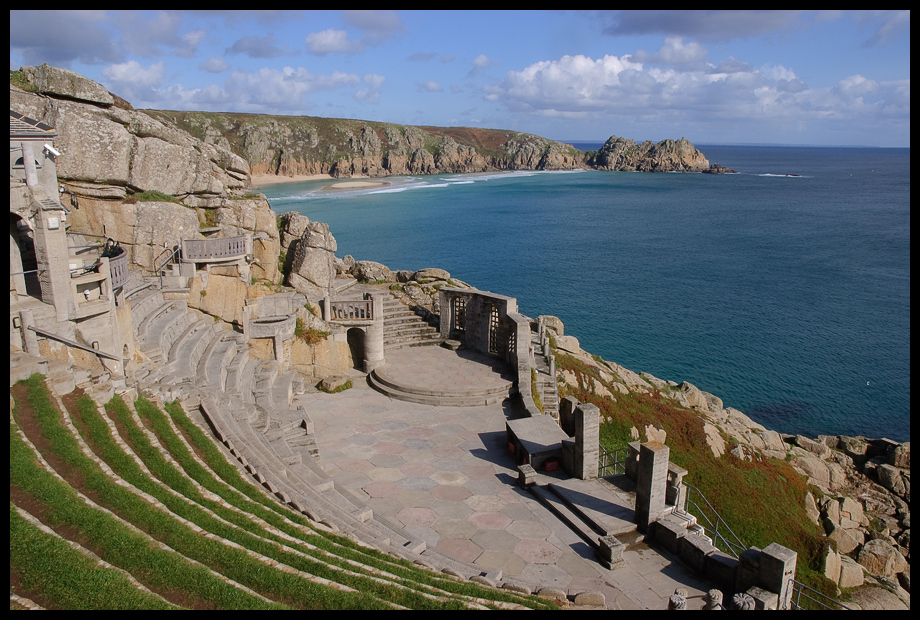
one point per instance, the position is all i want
(784, 289)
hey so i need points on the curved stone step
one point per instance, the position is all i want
(433, 397)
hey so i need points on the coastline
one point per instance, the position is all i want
(262, 180)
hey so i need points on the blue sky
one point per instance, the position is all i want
(716, 77)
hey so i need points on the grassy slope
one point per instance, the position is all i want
(762, 500)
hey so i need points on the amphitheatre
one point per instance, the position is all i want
(209, 409)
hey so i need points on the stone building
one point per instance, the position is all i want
(65, 289)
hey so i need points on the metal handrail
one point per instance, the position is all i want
(157, 270)
(73, 343)
(733, 545)
(800, 590)
(610, 463)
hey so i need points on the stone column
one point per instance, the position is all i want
(373, 337)
(587, 441)
(777, 570)
(566, 414)
(29, 338)
(651, 483)
(51, 255)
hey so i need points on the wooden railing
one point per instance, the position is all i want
(354, 310)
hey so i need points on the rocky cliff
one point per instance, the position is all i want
(138, 180)
(299, 145)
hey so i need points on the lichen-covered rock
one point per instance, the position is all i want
(881, 559)
(369, 271)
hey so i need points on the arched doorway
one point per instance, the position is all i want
(22, 259)
(356, 337)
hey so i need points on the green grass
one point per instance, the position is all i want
(66, 578)
(109, 537)
(237, 511)
(153, 195)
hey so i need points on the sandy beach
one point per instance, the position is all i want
(262, 180)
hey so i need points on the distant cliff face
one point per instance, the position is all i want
(295, 145)
(113, 148)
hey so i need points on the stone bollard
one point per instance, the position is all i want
(713, 600)
(742, 601)
(610, 552)
(678, 600)
(527, 476)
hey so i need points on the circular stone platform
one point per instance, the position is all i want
(439, 376)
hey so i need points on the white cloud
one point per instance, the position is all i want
(622, 90)
(430, 86)
(674, 52)
(482, 62)
(260, 47)
(136, 83)
(331, 41)
(371, 94)
(214, 65)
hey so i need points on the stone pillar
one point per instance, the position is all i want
(587, 441)
(51, 255)
(632, 461)
(446, 308)
(777, 570)
(29, 338)
(373, 337)
(676, 494)
(651, 483)
(566, 414)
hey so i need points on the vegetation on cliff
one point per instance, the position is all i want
(294, 145)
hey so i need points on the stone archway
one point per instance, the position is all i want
(22, 258)
(356, 337)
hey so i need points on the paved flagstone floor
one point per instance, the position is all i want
(445, 475)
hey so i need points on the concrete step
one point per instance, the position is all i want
(564, 513)
(469, 398)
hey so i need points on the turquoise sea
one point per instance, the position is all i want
(784, 289)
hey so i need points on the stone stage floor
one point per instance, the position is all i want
(445, 475)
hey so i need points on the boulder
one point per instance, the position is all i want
(293, 226)
(851, 573)
(369, 271)
(881, 559)
(222, 297)
(67, 84)
(714, 439)
(694, 397)
(552, 322)
(430, 273)
(568, 343)
(817, 448)
(312, 267)
(900, 456)
(895, 480)
(876, 598)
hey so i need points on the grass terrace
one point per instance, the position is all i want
(132, 506)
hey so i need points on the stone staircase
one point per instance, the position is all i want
(546, 382)
(403, 327)
(587, 510)
(248, 405)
